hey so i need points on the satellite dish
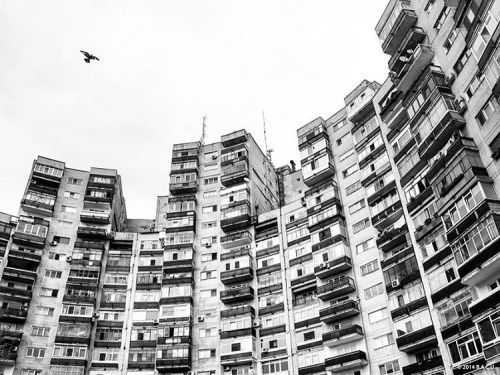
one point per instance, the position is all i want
(404, 59)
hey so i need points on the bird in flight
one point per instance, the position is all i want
(89, 57)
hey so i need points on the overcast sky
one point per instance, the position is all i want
(165, 64)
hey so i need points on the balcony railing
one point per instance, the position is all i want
(331, 268)
(237, 294)
(237, 276)
(230, 178)
(349, 361)
(88, 216)
(342, 335)
(234, 138)
(183, 187)
(338, 312)
(422, 366)
(420, 58)
(417, 340)
(336, 288)
(236, 239)
(92, 232)
(29, 239)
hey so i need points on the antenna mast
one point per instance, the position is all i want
(268, 150)
(203, 131)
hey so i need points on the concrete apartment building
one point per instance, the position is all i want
(380, 255)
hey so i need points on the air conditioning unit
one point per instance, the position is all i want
(322, 265)
(96, 315)
(208, 244)
(264, 350)
(201, 318)
(53, 243)
(69, 259)
(461, 105)
(214, 157)
(395, 282)
(227, 368)
(256, 324)
(450, 78)
(155, 321)
(220, 330)
(303, 201)
(112, 234)
(190, 373)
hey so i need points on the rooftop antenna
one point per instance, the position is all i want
(203, 131)
(268, 150)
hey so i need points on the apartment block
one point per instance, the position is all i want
(380, 255)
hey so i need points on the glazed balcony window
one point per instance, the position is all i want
(186, 165)
(237, 323)
(413, 323)
(297, 233)
(179, 222)
(70, 351)
(408, 162)
(234, 196)
(336, 251)
(150, 261)
(274, 320)
(407, 295)
(475, 240)
(379, 163)
(383, 204)
(150, 244)
(365, 130)
(425, 92)
(178, 255)
(432, 118)
(323, 215)
(372, 146)
(142, 355)
(176, 311)
(270, 300)
(174, 331)
(425, 216)
(148, 278)
(229, 213)
(114, 297)
(418, 186)
(244, 344)
(400, 270)
(99, 194)
(73, 330)
(173, 291)
(463, 206)
(465, 347)
(119, 260)
(34, 229)
(146, 296)
(310, 358)
(40, 198)
(51, 171)
(58, 370)
(112, 278)
(179, 238)
(84, 273)
(333, 231)
(80, 254)
(484, 35)
(455, 308)
(143, 334)
(268, 261)
(105, 354)
(270, 242)
(181, 178)
(303, 269)
(316, 165)
(271, 279)
(108, 334)
(181, 206)
(319, 145)
(235, 154)
(329, 192)
(489, 328)
(146, 314)
(111, 315)
(379, 184)
(307, 311)
(305, 298)
(80, 292)
(102, 180)
(443, 275)
(299, 250)
(172, 353)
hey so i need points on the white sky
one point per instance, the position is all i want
(165, 64)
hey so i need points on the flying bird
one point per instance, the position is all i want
(89, 57)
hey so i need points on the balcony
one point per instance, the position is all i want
(238, 311)
(239, 275)
(408, 308)
(391, 238)
(234, 138)
(173, 365)
(30, 240)
(10, 336)
(340, 311)
(459, 146)
(417, 340)
(331, 268)
(417, 61)
(485, 304)
(37, 207)
(185, 151)
(237, 333)
(402, 279)
(393, 26)
(14, 315)
(312, 134)
(420, 367)
(396, 258)
(183, 188)
(336, 288)
(89, 216)
(24, 259)
(8, 357)
(236, 239)
(388, 216)
(344, 362)
(413, 38)
(18, 293)
(244, 293)
(92, 232)
(342, 336)
(99, 196)
(318, 174)
(236, 217)
(235, 174)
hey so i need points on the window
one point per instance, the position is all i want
(47, 292)
(465, 347)
(309, 336)
(484, 36)
(54, 256)
(74, 181)
(68, 209)
(365, 246)
(429, 6)
(208, 332)
(207, 275)
(40, 331)
(207, 293)
(210, 166)
(486, 112)
(280, 365)
(35, 352)
(206, 353)
(389, 368)
(210, 194)
(208, 209)
(384, 340)
(210, 180)
(360, 225)
(353, 187)
(442, 18)
(208, 257)
(61, 240)
(462, 60)
(43, 310)
(369, 267)
(347, 154)
(374, 291)
(473, 86)
(71, 194)
(350, 170)
(37, 372)
(53, 274)
(378, 315)
(357, 206)
(450, 40)
(236, 347)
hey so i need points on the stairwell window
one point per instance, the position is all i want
(350, 170)
(389, 368)
(486, 112)
(484, 36)
(357, 206)
(369, 267)
(442, 18)
(35, 352)
(378, 315)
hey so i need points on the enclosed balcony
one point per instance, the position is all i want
(319, 168)
(421, 57)
(484, 304)
(38, 203)
(344, 362)
(99, 195)
(234, 138)
(189, 187)
(237, 276)
(423, 366)
(13, 315)
(235, 217)
(48, 170)
(234, 155)
(238, 294)
(413, 38)
(8, 356)
(236, 239)
(173, 365)
(185, 152)
(342, 336)
(391, 238)
(417, 340)
(102, 181)
(333, 267)
(392, 28)
(238, 311)
(336, 288)
(340, 311)
(235, 174)
(312, 133)
(94, 216)
(31, 232)
(24, 260)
